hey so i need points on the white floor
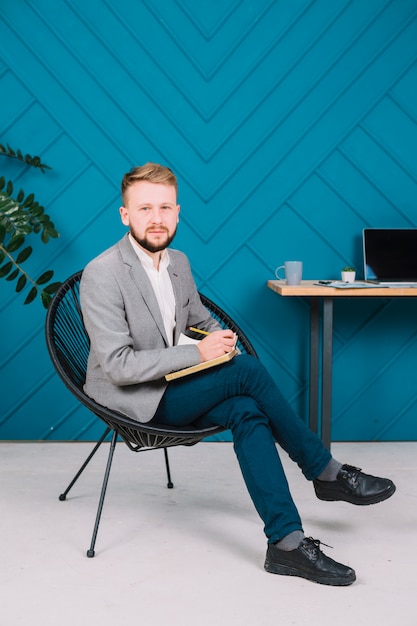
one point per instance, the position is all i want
(193, 555)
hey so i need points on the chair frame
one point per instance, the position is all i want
(68, 346)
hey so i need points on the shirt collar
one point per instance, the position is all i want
(146, 260)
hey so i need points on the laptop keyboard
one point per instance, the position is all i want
(398, 285)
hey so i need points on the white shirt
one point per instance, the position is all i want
(162, 286)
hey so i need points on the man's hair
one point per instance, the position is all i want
(151, 172)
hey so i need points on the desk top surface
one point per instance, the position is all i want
(309, 288)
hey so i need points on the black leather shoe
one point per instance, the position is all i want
(352, 485)
(309, 562)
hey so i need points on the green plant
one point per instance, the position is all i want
(348, 268)
(21, 216)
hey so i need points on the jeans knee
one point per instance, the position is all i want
(245, 415)
(249, 369)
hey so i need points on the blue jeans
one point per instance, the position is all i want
(242, 396)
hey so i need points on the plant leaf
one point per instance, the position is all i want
(46, 276)
(36, 209)
(46, 299)
(29, 200)
(24, 254)
(31, 295)
(52, 288)
(13, 275)
(15, 242)
(21, 283)
(5, 269)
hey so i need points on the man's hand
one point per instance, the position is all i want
(216, 344)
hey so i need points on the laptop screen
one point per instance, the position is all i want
(390, 254)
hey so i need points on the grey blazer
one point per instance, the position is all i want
(129, 353)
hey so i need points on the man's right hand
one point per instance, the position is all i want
(216, 344)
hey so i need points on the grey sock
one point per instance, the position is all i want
(331, 470)
(291, 541)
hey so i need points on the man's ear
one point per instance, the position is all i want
(124, 215)
(178, 214)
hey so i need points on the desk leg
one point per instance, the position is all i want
(314, 363)
(326, 398)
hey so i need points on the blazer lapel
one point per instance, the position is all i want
(180, 321)
(142, 283)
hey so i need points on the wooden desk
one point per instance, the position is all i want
(321, 309)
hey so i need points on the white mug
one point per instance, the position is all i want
(293, 271)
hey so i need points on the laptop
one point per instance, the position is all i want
(390, 256)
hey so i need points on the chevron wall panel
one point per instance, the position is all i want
(291, 125)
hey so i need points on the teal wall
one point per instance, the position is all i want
(292, 124)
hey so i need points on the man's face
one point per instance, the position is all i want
(151, 212)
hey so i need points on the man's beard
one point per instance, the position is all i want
(150, 247)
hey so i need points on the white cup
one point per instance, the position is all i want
(293, 271)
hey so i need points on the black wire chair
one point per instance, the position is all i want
(68, 347)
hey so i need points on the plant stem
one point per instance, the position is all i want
(17, 266)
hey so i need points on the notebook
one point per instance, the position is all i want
(190, 338)
(390, 256)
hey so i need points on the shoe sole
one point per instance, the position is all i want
(352, 499)
(285, 570)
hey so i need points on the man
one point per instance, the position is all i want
(137, 298)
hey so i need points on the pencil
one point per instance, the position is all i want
(198, 330)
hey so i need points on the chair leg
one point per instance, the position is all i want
(63, 495)
(170, 484)
(90, 552)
